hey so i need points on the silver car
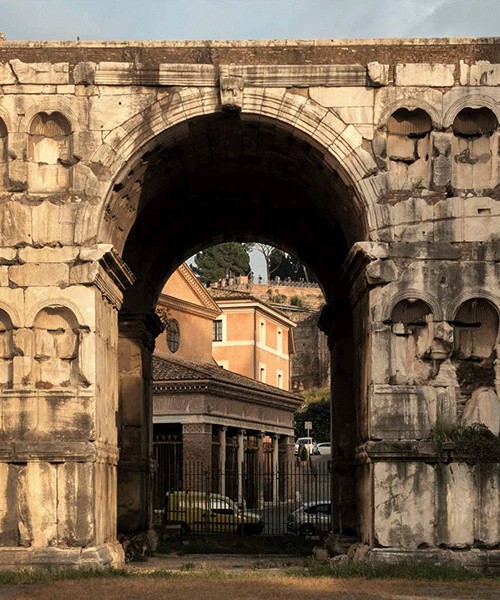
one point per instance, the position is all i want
(308, 442)
(324, 448)
(311, 518)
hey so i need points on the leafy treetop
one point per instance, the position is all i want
(224, 260)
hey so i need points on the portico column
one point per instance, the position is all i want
(276, 473)
(241, 458)
(137, 333)
(260, 469)
(222, 460)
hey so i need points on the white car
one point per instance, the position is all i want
(308, 442)
(324, 448)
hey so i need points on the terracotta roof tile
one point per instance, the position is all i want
(174, 369)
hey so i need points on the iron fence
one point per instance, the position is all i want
(251, 497)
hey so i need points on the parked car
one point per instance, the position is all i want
(311, 518)
(308, 442)
(207, 512)
(324, 448)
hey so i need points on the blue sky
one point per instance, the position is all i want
(246, 19)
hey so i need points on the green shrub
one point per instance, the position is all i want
(474, 444)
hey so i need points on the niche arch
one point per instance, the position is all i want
(49, 152)
(56, 347)
(474, 148)
(409, 148)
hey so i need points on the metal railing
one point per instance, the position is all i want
(247, 498)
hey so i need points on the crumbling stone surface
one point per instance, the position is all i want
(376, 161)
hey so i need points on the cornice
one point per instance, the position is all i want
(281, 400)
(166, 301)
(197, 288)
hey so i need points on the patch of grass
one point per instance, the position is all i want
(403, 570)
(49, 574)
(234, 544)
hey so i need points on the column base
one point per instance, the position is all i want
(474, 558)
(106, 555)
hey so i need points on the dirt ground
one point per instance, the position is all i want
(243, 578)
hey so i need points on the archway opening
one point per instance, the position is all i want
(221, 178)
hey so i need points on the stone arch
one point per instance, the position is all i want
(55, 348)
(49, 152)
(452, 308)
(340, 144)
(472, 100)
(6, 350)
(411, 104)
(411, 293)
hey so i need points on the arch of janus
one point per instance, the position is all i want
(376, 162)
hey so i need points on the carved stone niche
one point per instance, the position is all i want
(409, 149)
(56, 348)
(475, 149)
(231, 92)
(410, 342)
(6, 351)
(476, 330)
(49, 153)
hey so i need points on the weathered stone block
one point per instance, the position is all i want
(83, 73)
(380, 272)
(403, 412)
(456, 499)
(31, 274)
(481, 72)
(404, 504)
(7, 76)
(40, 73)
(342, 97)
(48, 255)
(425, 74)
(37, 504)
(378, 74)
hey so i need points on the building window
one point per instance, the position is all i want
(262, 373)
(262, 333)
(173, 335)
(279, 343)
(279, 379)
(217, 330)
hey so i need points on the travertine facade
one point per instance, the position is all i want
(376, 162)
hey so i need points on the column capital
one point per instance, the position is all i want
(145, 326)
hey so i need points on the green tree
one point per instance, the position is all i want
(289, 267)
(317, 410)
(223, 260)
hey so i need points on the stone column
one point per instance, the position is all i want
(58, 449)
(336, 322)
(288, 442)
(197, 456)
(241, 459)
(137, 334)
(276, 467)
(222, 459)
(260, 469)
